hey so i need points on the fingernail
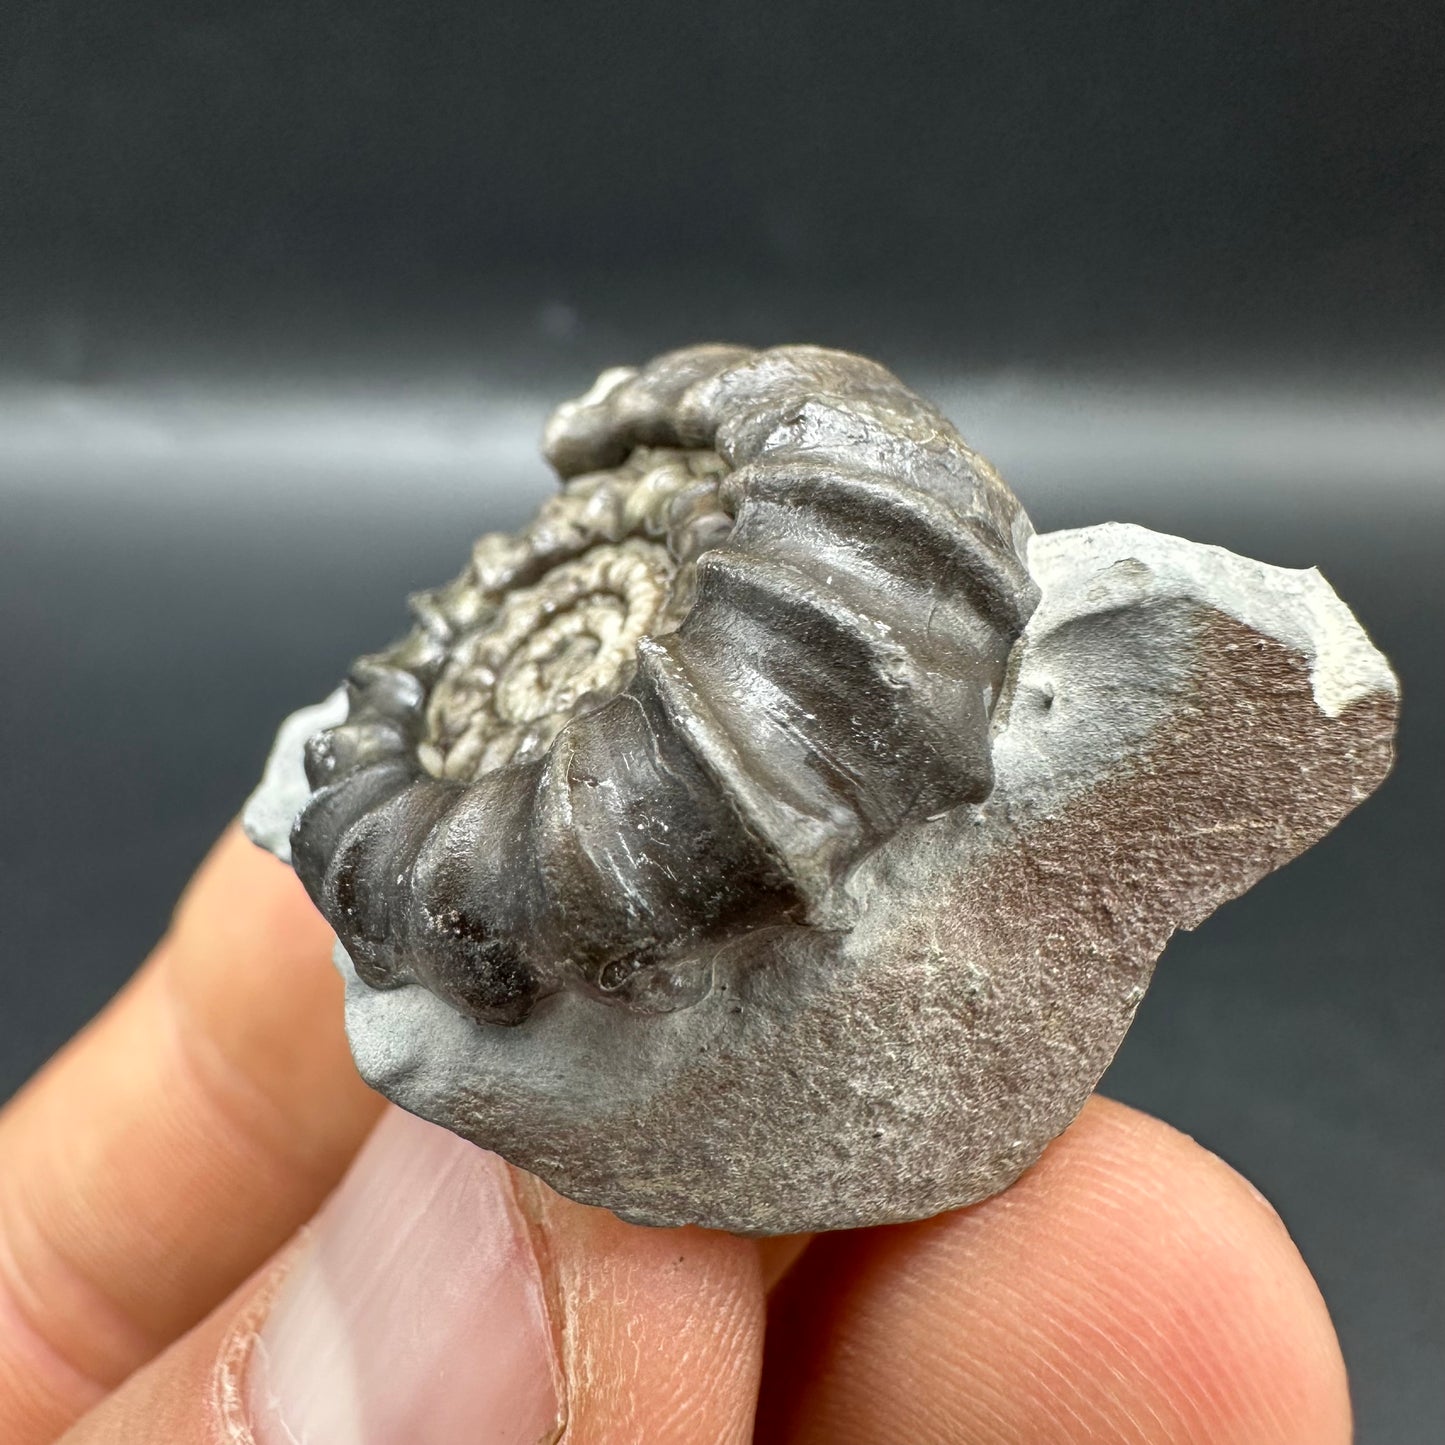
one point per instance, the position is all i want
(416, 1313)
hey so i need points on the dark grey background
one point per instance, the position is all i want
(286, 290)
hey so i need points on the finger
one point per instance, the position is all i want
(174, 1144)
(779, 1253)
(1130, 1288)
(443, 1298)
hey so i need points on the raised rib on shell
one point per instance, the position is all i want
(761, 629)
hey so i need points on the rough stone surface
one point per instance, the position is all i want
(1178, 721)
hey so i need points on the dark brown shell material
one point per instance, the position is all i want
(760, 630)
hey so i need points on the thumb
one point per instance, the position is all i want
(441, 1297)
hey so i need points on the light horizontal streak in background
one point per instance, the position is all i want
(167, 440)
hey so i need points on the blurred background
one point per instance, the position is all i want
(286, 292)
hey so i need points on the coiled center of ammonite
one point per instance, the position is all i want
(569, 639)
(557, 611)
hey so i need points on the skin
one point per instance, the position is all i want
(1130, 1288)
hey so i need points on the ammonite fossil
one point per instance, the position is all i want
(761, 629)
(744, 842)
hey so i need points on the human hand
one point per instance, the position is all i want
(159, 1282)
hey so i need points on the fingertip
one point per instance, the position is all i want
(1130, 1288)
(1209, 1309)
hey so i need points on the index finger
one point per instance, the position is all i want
(1130, 1288)
(175, 1143)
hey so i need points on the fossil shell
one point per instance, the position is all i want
(762, 628)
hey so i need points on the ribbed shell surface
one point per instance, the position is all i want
(835, 584)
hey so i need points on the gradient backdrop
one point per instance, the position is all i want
(285, 292)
